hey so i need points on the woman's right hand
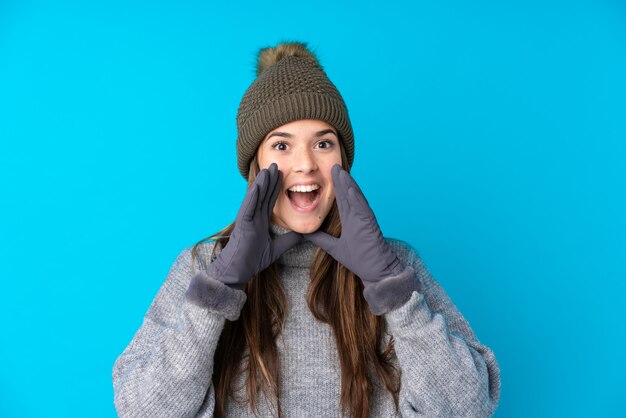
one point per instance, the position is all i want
(250, 248)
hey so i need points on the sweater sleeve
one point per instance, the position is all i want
(166, 369)
(445, 370)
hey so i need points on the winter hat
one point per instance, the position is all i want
(290, 85)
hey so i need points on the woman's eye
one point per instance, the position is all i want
(329, 144)
(280, 146)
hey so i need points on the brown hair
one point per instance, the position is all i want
(335, 297)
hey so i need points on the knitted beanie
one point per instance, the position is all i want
(290, 85)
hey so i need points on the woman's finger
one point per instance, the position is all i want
(273, 182)
(277, 190)
(323, 240)
(362, 208)
(264, 179)
(282, 243)
(246, 213)
(344, 179)
(340, 192)
(351, 182)
(361, 200)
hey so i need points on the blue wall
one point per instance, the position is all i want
(491, 137)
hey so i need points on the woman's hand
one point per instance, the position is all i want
(250, 248)
(361, 247)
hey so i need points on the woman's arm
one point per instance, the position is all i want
(167, 367)
(446, 371)
(166, 370)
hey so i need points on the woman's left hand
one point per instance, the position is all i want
(361, 247)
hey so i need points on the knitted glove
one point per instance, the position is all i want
(363, 250)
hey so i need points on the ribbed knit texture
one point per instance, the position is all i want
(292, 89)
(166, 369)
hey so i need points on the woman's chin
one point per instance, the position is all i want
(308, 230)
(304, 227)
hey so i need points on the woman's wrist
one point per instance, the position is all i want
(390, 292)
(209, 292)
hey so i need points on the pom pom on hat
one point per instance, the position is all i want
(271, 55)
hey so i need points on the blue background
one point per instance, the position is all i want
(490, 136)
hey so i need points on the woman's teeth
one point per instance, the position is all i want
(304, 188)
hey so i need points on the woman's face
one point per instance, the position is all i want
(305, 151)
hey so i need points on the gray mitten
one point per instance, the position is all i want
(362, 249)
(250, 248)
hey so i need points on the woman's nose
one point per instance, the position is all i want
(304, 162)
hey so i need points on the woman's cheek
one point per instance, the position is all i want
(331, 195)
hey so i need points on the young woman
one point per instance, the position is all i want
(301, 307)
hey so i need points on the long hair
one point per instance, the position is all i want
(335, 297)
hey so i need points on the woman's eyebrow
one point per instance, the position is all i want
(283, 134)
(325, 131)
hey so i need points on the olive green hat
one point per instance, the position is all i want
(290, 85)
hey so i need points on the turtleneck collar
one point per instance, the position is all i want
(300, 255)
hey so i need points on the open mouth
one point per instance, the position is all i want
(304, 200)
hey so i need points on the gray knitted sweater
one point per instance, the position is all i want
(166, 370)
